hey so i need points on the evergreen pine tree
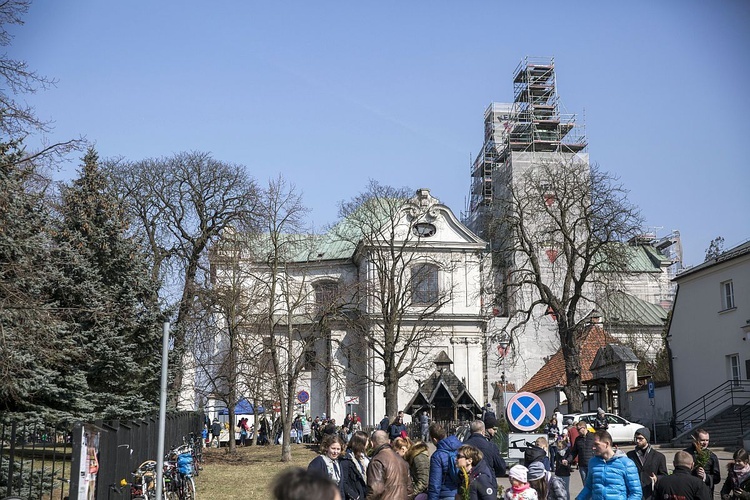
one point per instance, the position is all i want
(111, 297)
(39, 360)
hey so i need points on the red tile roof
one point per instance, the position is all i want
(552, 374)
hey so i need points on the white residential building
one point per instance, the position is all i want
(709, 333)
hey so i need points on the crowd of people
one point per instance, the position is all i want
(387, 464)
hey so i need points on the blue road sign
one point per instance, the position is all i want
(303, 397)
(525, 411)
(650, 389)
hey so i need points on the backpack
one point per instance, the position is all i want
(453, 471)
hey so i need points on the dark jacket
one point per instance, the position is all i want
(384, 424)
(481, 479)
(216, 428)
(681, 484)
(441, 484)
(388, 476)
(653, 463)
(395, 429)
(581, 449)
(733, 483)
(561, 470)
(491, 454)
(319, 467)
(713, 473)
(354, 483)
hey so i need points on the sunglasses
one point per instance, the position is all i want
(460, 456)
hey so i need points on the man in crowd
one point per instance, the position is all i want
(651, 464)
(488, 448)
(442, 486)
(682, 485)
(581, 449)
(611, 473)
(424, 423)
(707, 464)
(384, 423)
(215, 433)
(388, 474)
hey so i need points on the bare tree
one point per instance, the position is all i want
(18, 119)
(399, 292)
(559, 231)
(182, 203)
(274, 267)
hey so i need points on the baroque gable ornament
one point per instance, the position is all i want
(423, 206)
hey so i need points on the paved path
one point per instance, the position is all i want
(724, 457)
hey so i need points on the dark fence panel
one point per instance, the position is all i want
(123, 446)
(35, 459)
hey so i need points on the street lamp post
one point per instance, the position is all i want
(503, 345)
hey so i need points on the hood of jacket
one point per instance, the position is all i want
(450, 443)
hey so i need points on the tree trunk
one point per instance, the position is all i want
(391, 393)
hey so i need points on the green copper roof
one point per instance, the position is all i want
(625, 309)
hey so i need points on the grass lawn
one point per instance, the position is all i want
(248, 473)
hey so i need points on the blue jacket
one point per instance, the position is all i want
(441, 484)
(613, 479)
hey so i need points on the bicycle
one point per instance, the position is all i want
(178, 474)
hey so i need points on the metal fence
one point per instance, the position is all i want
(36, 460)
(123, 446)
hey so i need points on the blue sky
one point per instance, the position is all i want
(333, 93)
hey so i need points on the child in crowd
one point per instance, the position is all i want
(519, 485)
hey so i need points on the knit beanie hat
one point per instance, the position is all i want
(518, 472)
(645, 433)
(536, 471)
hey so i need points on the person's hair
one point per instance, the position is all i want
(471, 453)
(540, 486)
(379, 438)
(682, 459)
(541, 442)
(400, 442)
(328, 440)
(741, 455)
(437, 431)
(581, 424)
(698, 432)
(358, 443)
(603, 437)
(415, 450)
(553, 419)
(476, 426)
(296, 483)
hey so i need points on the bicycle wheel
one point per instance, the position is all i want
(188, 488)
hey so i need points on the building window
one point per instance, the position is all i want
(734, 368)
(727, 295)
(326, 295)
(424, 284)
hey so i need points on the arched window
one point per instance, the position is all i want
(424, 284)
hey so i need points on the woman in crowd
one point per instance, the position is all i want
(354, 465)
(737, 484)
(476, 482)
(396, 428)
(327, 463)
(419, 467)
(401, 446)
(562, 467)
(546, 484)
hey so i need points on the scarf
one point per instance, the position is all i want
(334, 470)
(741, 474)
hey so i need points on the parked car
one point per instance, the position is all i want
(622, 431)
